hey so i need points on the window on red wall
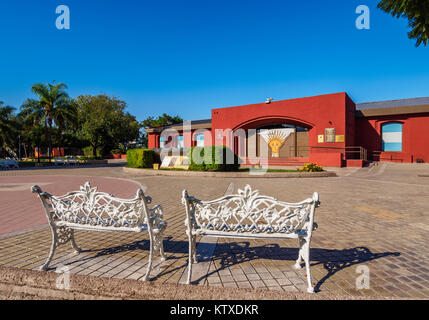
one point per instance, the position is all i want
(200, 140)
(391, 137)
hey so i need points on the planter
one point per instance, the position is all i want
(123, 156)
(156, 166)
(218, 174)
(116, 156)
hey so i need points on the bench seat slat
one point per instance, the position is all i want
(77, 226)
(220, 234)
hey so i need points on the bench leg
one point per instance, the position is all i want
(159, 244)
(192, 256)
(298, 264)
(76, 248)
(194, 250)
(149, 266)
(304, 256)
(51, 253)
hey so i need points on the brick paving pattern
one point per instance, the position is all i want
(375, 217)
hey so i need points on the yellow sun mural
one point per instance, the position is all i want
(276, 138)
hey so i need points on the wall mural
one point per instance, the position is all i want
(275, 138)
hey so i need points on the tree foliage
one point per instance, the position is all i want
(104, 124)
(53, 109)
(164, 120)
(417, 13)
(100, 123)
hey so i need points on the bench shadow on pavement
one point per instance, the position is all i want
(333, 261)
(229, 254)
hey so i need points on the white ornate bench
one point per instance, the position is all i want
(252, 216)
(88, 209)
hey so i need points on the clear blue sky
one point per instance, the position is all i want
(186, 57)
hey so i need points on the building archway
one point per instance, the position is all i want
(276, 139)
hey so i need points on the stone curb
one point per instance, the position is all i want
(150, 172)
(29, 284)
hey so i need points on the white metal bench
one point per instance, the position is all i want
(88, 209)
(253, 216)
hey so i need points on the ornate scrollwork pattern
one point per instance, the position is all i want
(89, 207)
(249, 212)
(64, 235)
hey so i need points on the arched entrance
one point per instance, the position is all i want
(275, 141)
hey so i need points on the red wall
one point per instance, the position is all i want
(153, 140)
(315, 113)
(415, 137)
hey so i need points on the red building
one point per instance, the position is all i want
(330, 130)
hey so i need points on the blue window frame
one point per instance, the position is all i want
(392, 137)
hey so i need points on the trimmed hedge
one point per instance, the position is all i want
(140, 158)
(213, 158)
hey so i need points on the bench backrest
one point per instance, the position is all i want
(251, 213)
(97, 209)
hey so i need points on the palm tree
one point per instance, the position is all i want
(31, 117)
(8, 127)
(54, 107)
(417, 13)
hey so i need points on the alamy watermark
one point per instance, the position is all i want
(363, 20)
(236, 142)
(63, 20)
(362, 281)
(63, 280)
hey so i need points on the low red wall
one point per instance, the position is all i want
(356, 163)
(328, 159)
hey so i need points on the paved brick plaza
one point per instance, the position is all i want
(375, 217)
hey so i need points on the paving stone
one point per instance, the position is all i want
(359, 230)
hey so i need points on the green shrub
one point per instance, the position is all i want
(212, 158)
(116, 151)
(140, 158)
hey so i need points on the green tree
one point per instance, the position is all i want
(104, 123)
(161, 121)
(417, 13)
(54, 108)
(32, 128)
(8, 128)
